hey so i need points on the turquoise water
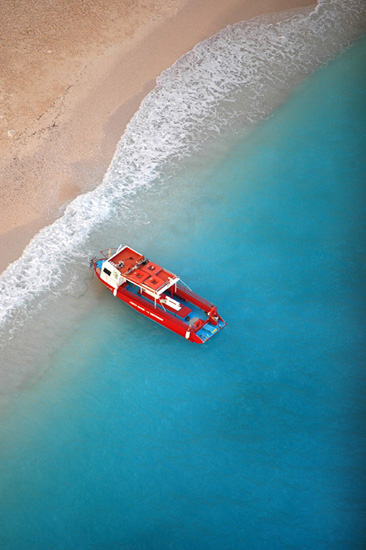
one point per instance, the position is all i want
(134, 438)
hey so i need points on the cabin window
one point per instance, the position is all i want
(107, 271)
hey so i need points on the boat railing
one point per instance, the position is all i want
(108, 252)
(185, 288)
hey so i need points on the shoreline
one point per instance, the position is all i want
(65, 149)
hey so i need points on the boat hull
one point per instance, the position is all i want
(165, 318)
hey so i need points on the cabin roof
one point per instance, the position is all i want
(137, 269)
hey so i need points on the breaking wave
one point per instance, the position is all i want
(224, 85)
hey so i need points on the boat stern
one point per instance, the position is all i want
(209, 330)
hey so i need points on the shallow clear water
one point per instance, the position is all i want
(134, 438)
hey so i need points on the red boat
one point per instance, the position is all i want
(157, 293)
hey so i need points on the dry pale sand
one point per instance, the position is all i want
(72, 74)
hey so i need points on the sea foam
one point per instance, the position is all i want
(226, 84)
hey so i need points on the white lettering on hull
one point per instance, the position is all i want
(146, 311)
(153, 315)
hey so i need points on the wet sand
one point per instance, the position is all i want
(71, 79)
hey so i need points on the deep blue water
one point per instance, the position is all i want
(136, 439)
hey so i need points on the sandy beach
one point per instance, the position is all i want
(72, 76)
